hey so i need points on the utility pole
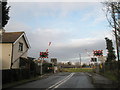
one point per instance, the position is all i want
(41, 66)
(80, 59)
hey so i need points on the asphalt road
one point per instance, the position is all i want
(61, 80)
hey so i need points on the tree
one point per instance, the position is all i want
(111, 53)
(84, 65)
(69, 63)
(4, 16)
(112, 10)
(113, 17)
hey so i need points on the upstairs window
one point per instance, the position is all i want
(20, 46)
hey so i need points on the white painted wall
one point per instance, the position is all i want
(5, 55)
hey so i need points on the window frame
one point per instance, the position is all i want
(20, 47)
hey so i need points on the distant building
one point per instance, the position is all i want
(15, 47)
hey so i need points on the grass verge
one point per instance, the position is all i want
(77, 70)
(110, 75)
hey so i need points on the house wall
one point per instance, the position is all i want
(17, 54)
(5, 55)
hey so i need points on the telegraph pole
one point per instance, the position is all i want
(80, 59)
(41, 66)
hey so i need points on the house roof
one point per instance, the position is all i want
(10, 37)
(13, 37)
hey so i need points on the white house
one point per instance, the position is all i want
(14, 47)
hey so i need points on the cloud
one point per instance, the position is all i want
(67, 42)
(17, 26)
(97, 15)
(63, 47)
(47, 8)
(56, 1)
(71, 50)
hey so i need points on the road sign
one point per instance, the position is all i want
(54, 61)
(98, 52)
(43, 54)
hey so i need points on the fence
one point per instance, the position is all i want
(111, 70)
(112, 67)
(14, 75)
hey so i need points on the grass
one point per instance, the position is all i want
(77, 70)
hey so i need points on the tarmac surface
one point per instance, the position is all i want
(61, 80)
(66, 80)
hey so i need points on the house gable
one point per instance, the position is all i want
(13, 37)
(25, 39)
(18, 52)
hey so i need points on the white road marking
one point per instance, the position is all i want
(65, 80)
(60, 82)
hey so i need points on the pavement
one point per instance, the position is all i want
(100, 81)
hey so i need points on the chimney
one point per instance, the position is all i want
(2, 31)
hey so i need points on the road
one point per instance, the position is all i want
(61, 80)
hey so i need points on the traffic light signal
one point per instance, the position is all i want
(43, 54)
(98, 52)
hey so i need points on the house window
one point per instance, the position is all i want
(20, 46)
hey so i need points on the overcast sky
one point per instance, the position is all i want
(71, 27)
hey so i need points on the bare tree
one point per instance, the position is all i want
(113, 17)
(112, 10)
(69, 63)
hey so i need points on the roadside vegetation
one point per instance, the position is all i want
(77, 70)
(110, 76)
(110, 70)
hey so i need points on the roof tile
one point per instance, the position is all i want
(10, 37)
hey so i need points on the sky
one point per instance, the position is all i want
(73, 28)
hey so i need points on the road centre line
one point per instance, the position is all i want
(60, 82)
(64, 80)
